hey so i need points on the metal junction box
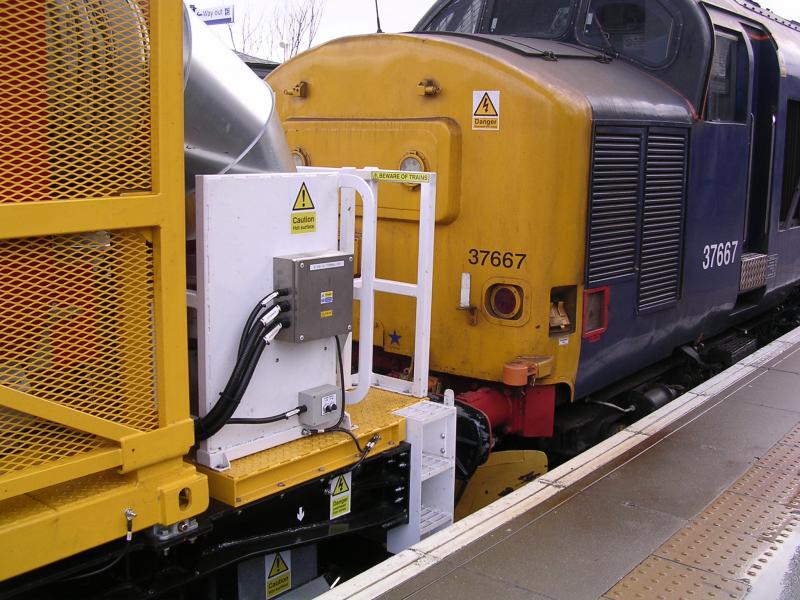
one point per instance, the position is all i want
(321, 294)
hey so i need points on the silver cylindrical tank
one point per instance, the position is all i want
(230, 121)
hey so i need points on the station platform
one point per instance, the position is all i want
(698, 500)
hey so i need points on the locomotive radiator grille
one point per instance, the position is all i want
(75, 118)
(614, 214)
(662, 219)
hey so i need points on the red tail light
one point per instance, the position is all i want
(595, 313)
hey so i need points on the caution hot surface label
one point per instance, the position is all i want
(279, 573)
(303, 216)
(486, 110)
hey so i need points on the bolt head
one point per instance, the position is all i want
(349, 328)
(302, 265)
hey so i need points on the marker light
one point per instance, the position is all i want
(300, 158)
(412, 162)
(504, 301)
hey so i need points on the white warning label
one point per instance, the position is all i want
(486, 110)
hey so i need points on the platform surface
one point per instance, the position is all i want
(698, 500)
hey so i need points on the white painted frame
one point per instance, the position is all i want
(362, 181)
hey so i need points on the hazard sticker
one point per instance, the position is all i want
(326, 297)
(486, 110)
(341, 491)
(303, 217)
(325, 314)
(279, 573)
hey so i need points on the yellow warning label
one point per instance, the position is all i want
(303, 200)
(278, 566)
(400, 177)
(486, 110)
(341, 486)
(325, 314)
(304, 222)
(279, 578)
(486, 107)
(341, 495)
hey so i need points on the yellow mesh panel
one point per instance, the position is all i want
(74, 99)
(27, 442)
(76, 324)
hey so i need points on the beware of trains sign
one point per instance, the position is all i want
(486, 110)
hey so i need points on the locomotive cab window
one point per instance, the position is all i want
(459, 16)
(641, 30)
(727, 87)
(538, 18)
(790, 199)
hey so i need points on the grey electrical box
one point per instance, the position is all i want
(323, 406)
(321, 294)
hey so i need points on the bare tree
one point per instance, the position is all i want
(252, 33)
(286, 30)
(296, 24)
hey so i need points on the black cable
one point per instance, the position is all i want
(214, 420)
(266, 420)
(348, 432)
(341, 383)
(123, 553)
(262, 304)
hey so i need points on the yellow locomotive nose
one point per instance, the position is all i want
(510, 141)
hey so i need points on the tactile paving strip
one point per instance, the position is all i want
(793, 437)
(760, 518)
(782, 457)
(660, 579)
(725, 548)
(769, 484)
(716, 550)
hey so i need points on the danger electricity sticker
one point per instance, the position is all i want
(341, 491)
(279, 573)
(486, 110)
(303, 217)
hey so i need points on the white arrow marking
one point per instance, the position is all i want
(300, 514)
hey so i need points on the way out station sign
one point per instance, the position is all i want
(216, 15)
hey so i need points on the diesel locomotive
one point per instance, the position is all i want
(618, 205)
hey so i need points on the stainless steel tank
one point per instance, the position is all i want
(230, 121)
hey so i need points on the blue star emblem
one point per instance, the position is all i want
(395, 338)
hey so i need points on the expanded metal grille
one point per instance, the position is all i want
(77, 323)
(662, 218)
(74, 99)
(27, 442)
(614, 212)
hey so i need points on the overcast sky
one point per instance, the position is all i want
(350, 17)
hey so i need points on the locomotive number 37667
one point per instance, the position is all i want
(719, 255)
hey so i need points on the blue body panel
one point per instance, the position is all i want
(715, 212)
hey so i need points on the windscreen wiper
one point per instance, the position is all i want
(609, 51)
